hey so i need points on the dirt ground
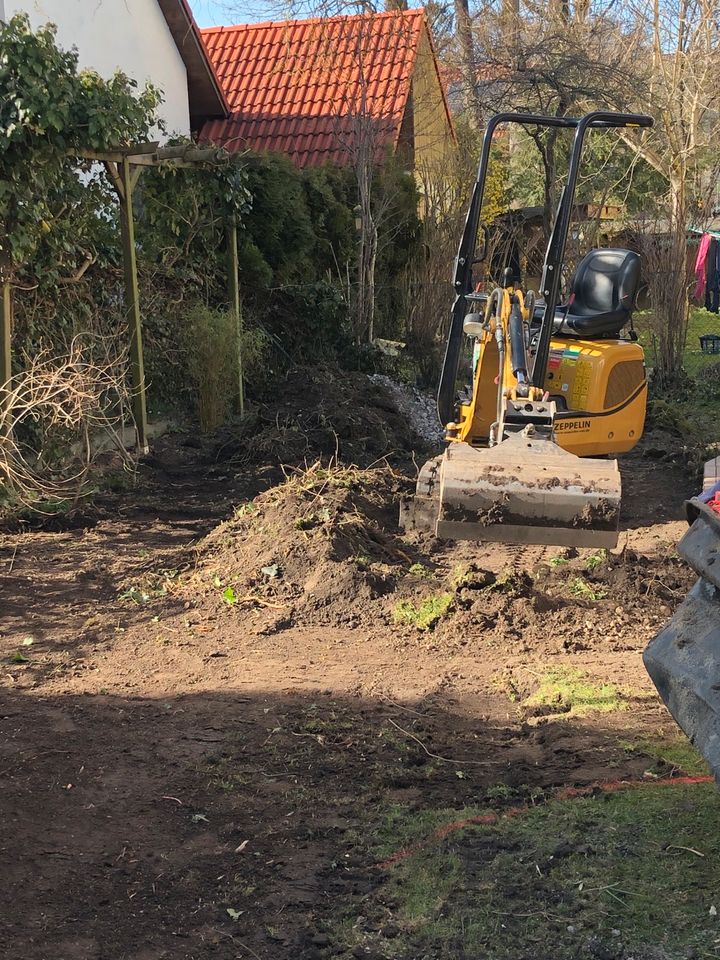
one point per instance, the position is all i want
(215, 682)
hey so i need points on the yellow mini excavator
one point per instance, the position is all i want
(556, 390)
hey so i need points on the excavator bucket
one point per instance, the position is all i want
(524, 490)
(683, 660)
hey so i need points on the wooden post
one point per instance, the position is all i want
(6, 324)
(128, 179)
(234, 300)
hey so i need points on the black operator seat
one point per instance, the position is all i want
(602, 295)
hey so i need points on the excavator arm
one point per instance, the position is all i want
(552, 268)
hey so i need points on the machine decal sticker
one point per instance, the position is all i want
(576, 426)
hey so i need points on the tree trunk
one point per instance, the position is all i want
(669, 287)
(468, 66)
(370, 279)
(367, 246)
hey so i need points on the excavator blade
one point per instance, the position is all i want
(524, 490)
(683, 660)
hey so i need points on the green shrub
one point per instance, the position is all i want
(297, 241)
(211, 355)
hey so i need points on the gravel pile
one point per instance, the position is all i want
(418, 407)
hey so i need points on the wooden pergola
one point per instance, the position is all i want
(124, 166)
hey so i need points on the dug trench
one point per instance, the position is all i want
(241, 712)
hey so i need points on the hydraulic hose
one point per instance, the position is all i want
(516, 330)
(503, 303)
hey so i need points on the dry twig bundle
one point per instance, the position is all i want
(56, 416)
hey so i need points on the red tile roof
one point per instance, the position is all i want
(300, 86)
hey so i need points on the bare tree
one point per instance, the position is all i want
(675, 49)
(471, 102)
(660, 57)
(550, 58)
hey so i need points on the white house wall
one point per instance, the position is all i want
(110, 35)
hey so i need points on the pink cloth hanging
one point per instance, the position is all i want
(701, 266)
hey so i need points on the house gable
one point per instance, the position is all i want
(434, 133)
(205, 97)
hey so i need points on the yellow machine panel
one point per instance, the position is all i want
(599, 386)
(539, 391)
(601, 392)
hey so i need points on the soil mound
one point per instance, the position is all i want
(322, 412)
(322, 546)
(581, 601)
(323, 543)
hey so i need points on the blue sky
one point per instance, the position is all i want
(213, 13)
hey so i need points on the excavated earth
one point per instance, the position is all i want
(215, 680)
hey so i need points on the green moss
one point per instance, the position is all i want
(572, 691)
(461, 576)
(596, 560)
(424, 615)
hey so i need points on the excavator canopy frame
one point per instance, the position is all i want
(554, 256)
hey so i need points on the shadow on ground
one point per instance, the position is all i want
(240, 826)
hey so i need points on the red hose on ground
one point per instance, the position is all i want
(565, 793)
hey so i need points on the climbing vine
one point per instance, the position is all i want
(50, 111)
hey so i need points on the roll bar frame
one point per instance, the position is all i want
(555, 253)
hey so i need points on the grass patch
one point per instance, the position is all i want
(558, 561)
(690, 413)
(470, 577)
(400, 828)
(572, 691)
(644, 862)
(424, 615)
(462, 576)
(701, 322)
(596, 560)
(117, 481)
(581, 588)
(677, 753)
(504, 681)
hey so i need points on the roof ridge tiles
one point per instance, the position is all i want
(383, 14)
